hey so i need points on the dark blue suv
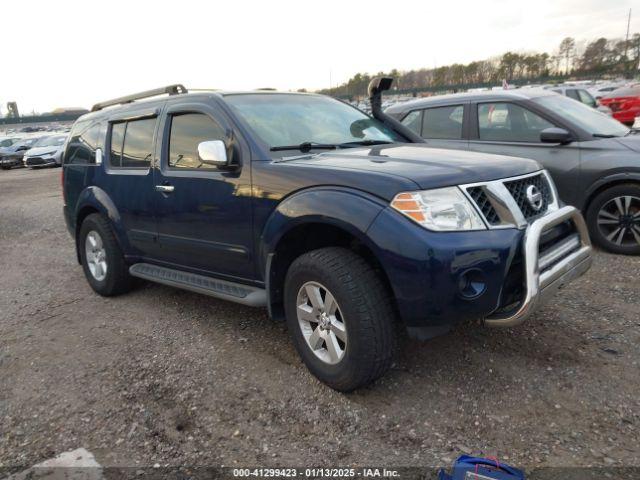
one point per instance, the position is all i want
(339, 222)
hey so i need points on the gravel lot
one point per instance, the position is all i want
(170, 377)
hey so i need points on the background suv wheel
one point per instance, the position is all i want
(340, 317)
(101, 257)
(614, 219)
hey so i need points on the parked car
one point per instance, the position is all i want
(11, 156)
(625, 104)
(599, 91)
(582, 95)
(593, 159)
(46, 152)
(330, 218)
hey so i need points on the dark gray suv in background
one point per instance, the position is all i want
(594, 159)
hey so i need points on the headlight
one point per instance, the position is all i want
(442, 209)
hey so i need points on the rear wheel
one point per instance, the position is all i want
(614, 219)
(340, 317)
(102, 260)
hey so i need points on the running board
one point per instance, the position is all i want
(234, 292)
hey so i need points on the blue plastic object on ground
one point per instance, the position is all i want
(478, 468)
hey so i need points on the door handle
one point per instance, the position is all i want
(165, 188)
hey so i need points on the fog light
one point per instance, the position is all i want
(471, 284)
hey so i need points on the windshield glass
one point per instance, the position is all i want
(290, 119)
(585, 117)
(53, 141)
(7, 142)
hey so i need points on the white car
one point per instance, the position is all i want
(46, 152)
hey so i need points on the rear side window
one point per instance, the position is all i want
(573, 94)
(132, 143)
(586, 98)
(187, 131)
(83, 141)
(443, 123)
(117, 139)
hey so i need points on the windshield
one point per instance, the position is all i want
(29, 142)
(53, 141)
(585, 117)
(7, 142)
(293, 119)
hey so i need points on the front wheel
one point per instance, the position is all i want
(614, 219)
(340, 317)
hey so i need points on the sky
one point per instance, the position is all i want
(67, 53)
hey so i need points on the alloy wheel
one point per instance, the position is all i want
(96, 255)
(321, 322)
(619, 221)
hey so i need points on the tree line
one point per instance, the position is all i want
(611, 57)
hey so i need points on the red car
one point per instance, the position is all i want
(624, 103)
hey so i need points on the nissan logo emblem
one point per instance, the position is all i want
(534, 197)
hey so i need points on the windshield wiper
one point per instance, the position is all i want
(305, 147)
(364, 143)
(603, 135)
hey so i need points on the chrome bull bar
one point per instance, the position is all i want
(545, 274)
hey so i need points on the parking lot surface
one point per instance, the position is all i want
(163, 376)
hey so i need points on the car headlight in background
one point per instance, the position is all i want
(441, 209)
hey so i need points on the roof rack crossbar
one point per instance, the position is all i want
(170, 90)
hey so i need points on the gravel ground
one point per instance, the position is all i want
(163, 376)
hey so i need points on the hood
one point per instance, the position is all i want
(427, 167)
(632, 142)
(42, 150)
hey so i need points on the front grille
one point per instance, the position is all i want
(518, 190)
(35, 161)
(482, 201)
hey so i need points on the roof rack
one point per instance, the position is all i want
(170, 90)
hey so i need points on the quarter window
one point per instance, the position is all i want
(508, 122)
(443, 123)
(83, 141)
(187, 131)
(413, 121)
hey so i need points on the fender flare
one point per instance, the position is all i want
(95, 198)
(608, 179)
(347, 209)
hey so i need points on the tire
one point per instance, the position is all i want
(613, 218)
(363, 315)
(4, 167)
(115, 278)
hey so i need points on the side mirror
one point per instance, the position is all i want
(213, 152)
(555, 135)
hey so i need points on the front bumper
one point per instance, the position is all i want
(545, 274)
(39, 161)
(10, 161)
(425, 269)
